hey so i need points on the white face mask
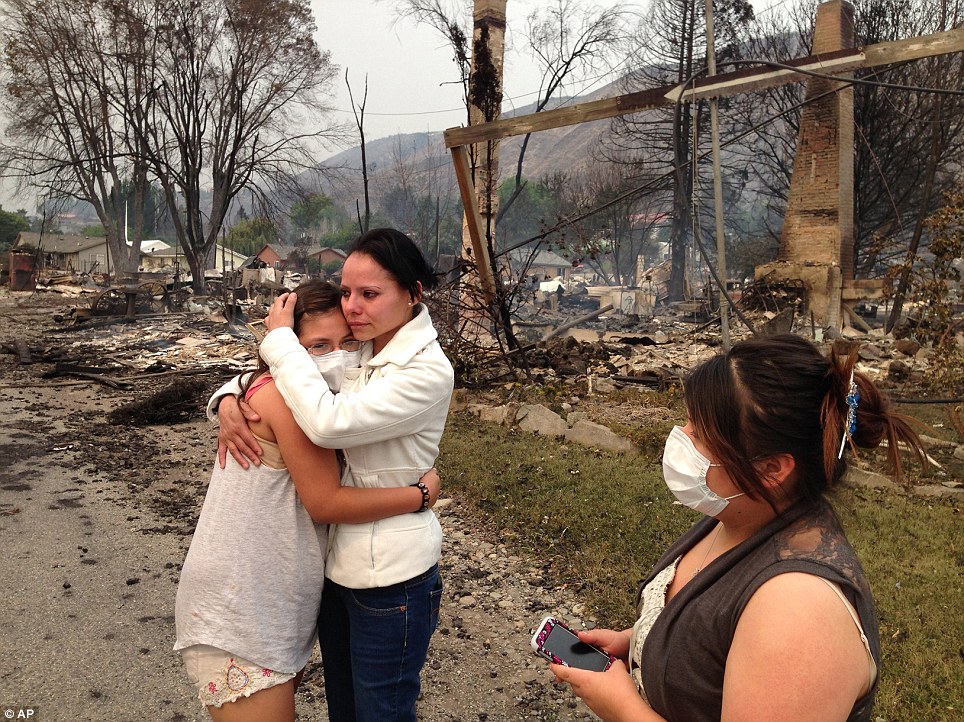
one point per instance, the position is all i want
(332, 366)
(684, 469)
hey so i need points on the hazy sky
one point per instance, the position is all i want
(410, 68)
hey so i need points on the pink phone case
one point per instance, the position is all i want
(539, 638)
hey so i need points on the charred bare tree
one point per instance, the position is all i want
(415, 193)
(359, 112)
(670, 49)
(66, 68)
(237, 110)
(569, 42)
(617, 223)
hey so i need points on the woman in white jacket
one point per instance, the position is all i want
(381, 597)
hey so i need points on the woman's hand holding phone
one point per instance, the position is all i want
(611, 694)
(604, 685)
(558, 643)
(615, 643)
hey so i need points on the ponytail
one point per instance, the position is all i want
(873, 418)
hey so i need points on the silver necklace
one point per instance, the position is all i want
(719, 528)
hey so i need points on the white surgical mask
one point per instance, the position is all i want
(684, 469)
(332, 366)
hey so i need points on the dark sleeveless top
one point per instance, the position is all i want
(684, 655)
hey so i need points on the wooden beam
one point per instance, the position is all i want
(835, 63)
(582, 319)
(740, 81)
(760, 78)
(473, 219)
(925, 46)
(570, 115)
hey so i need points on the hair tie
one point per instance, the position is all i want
(853, 400)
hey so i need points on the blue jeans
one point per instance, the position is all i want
(373, 646)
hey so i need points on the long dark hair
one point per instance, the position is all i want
(314, 297)
(780, 395)
(397, 254)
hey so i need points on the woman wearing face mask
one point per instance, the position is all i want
(250, 587)
(761, 611)
(382, 594)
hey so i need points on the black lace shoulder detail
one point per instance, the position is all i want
(817, 536)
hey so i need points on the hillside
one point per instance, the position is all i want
(423, 155)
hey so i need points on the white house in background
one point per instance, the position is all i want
(149, 247)
(158, 258)
(541, 265)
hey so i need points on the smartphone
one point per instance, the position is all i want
(557, 643)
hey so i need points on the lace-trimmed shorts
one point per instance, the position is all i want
(223, 677)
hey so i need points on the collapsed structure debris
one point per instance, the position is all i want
(607, 352)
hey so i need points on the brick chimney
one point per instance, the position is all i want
(818, 229)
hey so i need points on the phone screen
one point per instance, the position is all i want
(564, 644)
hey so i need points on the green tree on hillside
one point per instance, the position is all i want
(96, 230)
(10, 225)
(308, 213)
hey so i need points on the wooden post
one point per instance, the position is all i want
(473, 223)
(485, 105)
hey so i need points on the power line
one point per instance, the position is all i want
(770, 8)
(511, 100)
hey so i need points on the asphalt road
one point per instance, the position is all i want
(87, 600)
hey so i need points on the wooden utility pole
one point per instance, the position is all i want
(478, 170)
(717, 184)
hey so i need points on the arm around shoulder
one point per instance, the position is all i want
(316, 473)
(231, 388)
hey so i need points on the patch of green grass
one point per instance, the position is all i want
(913, 552)
(599, 521)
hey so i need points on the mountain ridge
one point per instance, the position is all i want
(416, 155)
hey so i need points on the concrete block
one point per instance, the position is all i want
(859, 477)
(537, 418)
(587, 433)
(476, 409)
(495, 414)
(601, 385)
(575, 416)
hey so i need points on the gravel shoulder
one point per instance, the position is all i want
(96, 517)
